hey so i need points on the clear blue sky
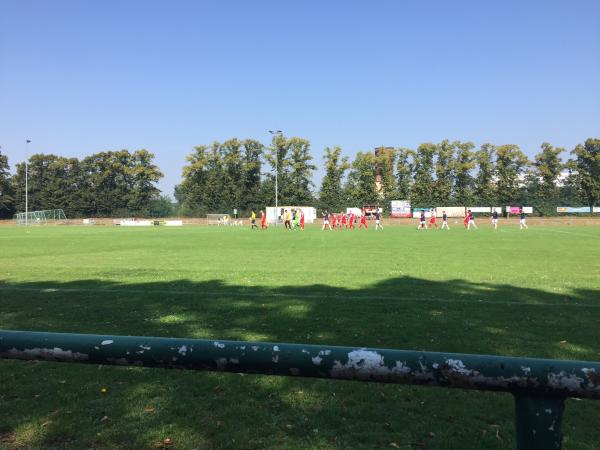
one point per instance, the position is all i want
(77, 77)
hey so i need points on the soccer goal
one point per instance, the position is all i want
(218, 219)
(43, 217)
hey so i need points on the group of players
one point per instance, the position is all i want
(292, 219)
(347, 221)
(468, 222)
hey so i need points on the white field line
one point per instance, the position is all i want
(242, 293)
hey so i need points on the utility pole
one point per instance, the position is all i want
(27, 142)
(276, 133)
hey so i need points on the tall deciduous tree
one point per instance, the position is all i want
(544, 183)
(251, 180)
(300, 180)
(444, 172)
(404, 171)
(587, 165)
(511, 163)
(331, 195)
(463, 166)
(361, 188)
(422, 191)
(7, 194)
(484, 185)
(386, 162)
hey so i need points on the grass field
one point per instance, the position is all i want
(532, 293)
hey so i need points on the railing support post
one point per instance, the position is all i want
(538, 421)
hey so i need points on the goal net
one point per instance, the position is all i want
(43, 217)
(218, 219)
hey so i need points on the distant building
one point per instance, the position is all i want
(378, 183)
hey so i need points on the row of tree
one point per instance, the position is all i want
(102, 184)
(242, 174)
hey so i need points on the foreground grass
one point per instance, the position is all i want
(533, 293)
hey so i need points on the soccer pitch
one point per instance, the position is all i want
(507, 292)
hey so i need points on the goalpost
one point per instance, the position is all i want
(218, 219)
(43, 217)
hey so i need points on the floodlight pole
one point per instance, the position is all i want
(27, 142)
(276, 133)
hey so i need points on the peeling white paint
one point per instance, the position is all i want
(317, 360)
(145, 347)
(591, 375)
(435, 366)
(182, 350)
(275, 348)
(275, 358)
(255, 347)
(218, 344)
(362, 364)
(548, 411)
(401, 368)
(96, 347)
(526, 370)
(55, 353)
(563, 381)
(107, 342)
(458, 366)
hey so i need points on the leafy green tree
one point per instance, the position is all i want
(570, 193)
(444, 173)
(233, 172)
(511, 163)
(251, 175)
(386, 162)
(404, 173)
(331, 196)
(144, 175)
(292, 160)
(161, 207)
(422, 190)
(463, 166)
(543, 183)
(190, 193)
(587, 165)
(41, 183)
(277, 156)
(120, 183)
(298, 191)
(483, 183)
(7, 194)
(360, 186)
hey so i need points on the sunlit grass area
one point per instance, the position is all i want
(506, 292)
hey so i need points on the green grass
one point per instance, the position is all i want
(532, 293)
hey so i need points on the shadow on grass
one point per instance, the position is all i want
(47, 405)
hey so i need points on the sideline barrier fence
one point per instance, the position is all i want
(539, 386)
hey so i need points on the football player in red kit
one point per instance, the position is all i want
(432, 220)
(344, 221)
(363, 221)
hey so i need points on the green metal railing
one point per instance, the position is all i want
(540, 386)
